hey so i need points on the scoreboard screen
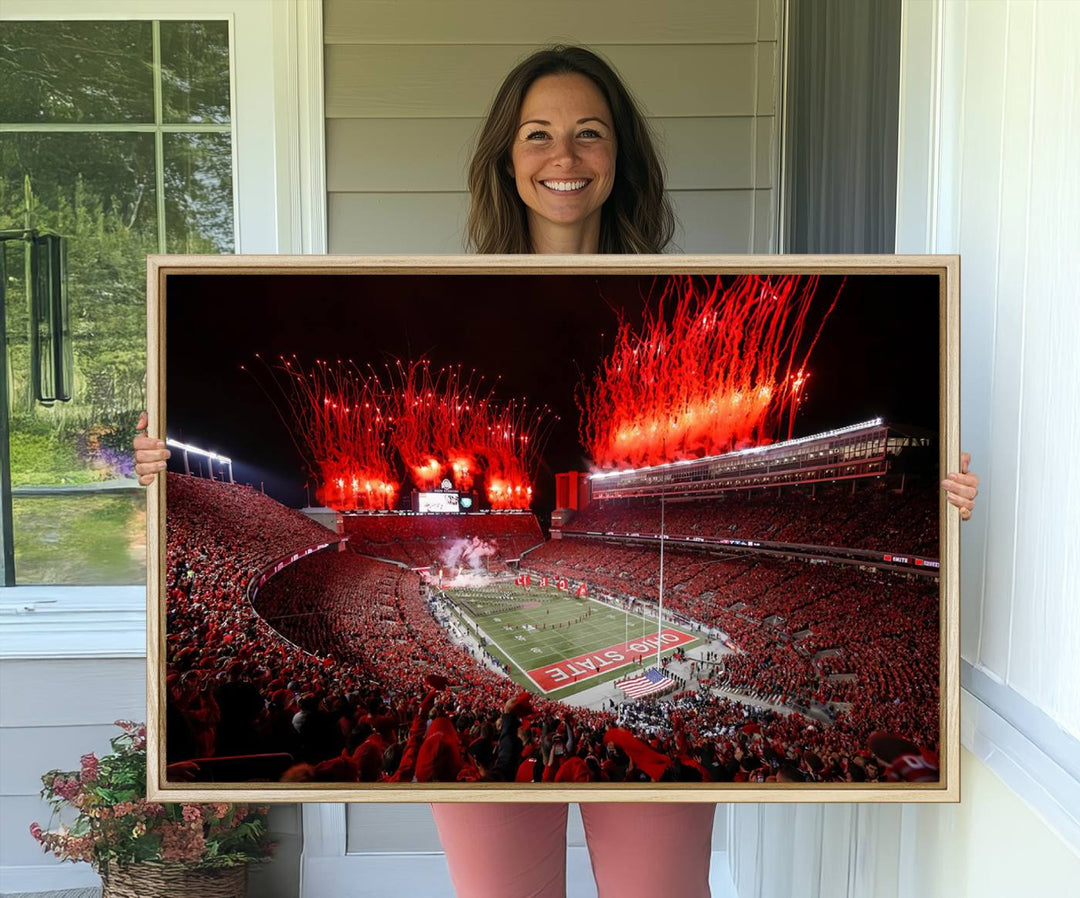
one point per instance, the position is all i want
(439, 503)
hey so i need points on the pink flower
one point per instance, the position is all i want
(89, 767)
(36, 831)
(65, 788)
(181, 842)
(192, 814)
(150, 808)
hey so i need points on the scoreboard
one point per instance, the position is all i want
(438, 502)
(443, 500)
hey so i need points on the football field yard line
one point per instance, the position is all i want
(582, 626)
(508, 655)
(513, 661)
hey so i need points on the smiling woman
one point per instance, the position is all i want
(563, 116)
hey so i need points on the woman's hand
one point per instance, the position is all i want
(150, 454)
(961, 488)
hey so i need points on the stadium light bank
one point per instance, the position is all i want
(210, 457)
(750, 450)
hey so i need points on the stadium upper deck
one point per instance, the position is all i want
(859, 450)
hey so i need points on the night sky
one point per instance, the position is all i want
(877, 353)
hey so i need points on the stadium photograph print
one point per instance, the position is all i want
(551, 528)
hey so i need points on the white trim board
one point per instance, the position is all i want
(1026, 767)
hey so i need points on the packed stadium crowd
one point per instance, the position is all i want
(411, 539)
(867, 516)
(799, 628)
(339, 668)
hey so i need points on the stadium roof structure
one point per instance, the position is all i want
(858, 450)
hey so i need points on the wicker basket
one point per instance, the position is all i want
(150, 880)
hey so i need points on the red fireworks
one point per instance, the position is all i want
(340, 423)
(449, 426)
(721, 371)
(433, 414)
(354, 425)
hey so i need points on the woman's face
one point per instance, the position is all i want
(563, 155)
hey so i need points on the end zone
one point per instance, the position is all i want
(553, 677)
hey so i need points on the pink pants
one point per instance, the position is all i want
(519, 850)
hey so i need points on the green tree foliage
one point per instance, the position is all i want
(76, 72)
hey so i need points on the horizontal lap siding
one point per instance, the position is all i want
(53, 712)
(380, 155)
(408, 84)
(526, 22)
(27, 752)
(396, 222)
(460, 80)
(709, 221)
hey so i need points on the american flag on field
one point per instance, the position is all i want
(649, 682)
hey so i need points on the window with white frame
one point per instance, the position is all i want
(118, 137)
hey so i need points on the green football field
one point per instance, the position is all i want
(557, 644)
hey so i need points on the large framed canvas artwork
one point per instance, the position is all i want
(554, 528)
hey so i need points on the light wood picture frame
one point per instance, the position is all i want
(771, 428)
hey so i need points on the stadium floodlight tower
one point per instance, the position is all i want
(210, 457)
(660, 604)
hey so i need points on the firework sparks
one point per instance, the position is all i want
(433, 411)
(450, 425)
(338, 420)
(357, 429)
(722, 370)
(509, 439)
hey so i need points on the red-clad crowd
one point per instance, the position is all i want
(423, 540)
(342, 671)
(866, 516)
(858, 641)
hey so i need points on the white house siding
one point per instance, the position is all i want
(408, 83)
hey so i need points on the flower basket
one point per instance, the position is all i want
(145, 848)
(173, 881)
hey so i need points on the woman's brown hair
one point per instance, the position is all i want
(637, 216)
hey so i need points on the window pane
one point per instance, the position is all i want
(81, 540)
(198, 193)
(195, 71)
(97, 190)
(76, 72)
(112, 174)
